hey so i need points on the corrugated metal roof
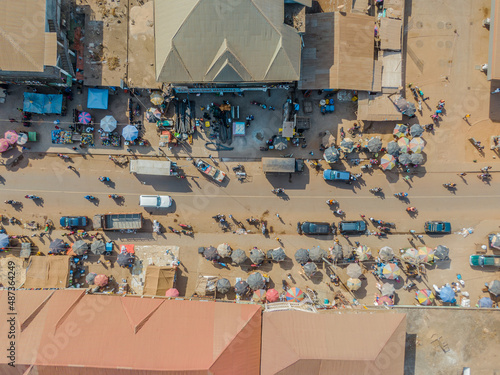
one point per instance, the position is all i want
(377, 108)
(390, 34)
(216, 41)
(494, 42)
(25, 45)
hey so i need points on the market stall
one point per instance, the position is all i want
(62, 136)
(110, 139)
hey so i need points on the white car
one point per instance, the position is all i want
(155, 201)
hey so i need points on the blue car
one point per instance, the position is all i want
(333, 175)
(73, 221)
(437, 227)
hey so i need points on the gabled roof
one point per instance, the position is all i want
(71, 332)
(295, 343)
(217, 41)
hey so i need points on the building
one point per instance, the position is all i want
(34, 48)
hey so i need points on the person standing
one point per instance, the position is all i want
(467, 116)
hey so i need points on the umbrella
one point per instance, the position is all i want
(156, 98)
(410, 255)
(80, 247)
(387, 162)
(172, 292)
(57, 246)
(101, 280)
(238, 256)
(124, 259)
(393, 148)
(278, 254)
(90, 278)
(328, 140)
(363, 252)
(272, 295)
(4, 145)
(391, 271)
(354, 270)
(417, 145)
(386, 253)
(84, 117)
(23, 139)
(280, 143)
(424, 297)
(310, 269)
(347, 145)
(210, 253)
(404, 159)
(257, 256)
(353, 284)
(130, 132)
(256, 281)
(294, 294)
(485, 302)
(441, 252)
(425, 254)
(302, 256)
(316, 254)
(416, 159)
(400, 130)
(374, 144)
(4, 240)
(98, 247)
(241, 287)
(385, 300)
(416, 130)
(331, 155)
(494, 287)
(11, 136)
(223, 286)
(388, 290)
(494, 239)
(259, 295)
(224, 250)
(108, 123)
(404, 144)
(336, 252)
(447, 294)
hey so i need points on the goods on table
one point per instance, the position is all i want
(62, 136)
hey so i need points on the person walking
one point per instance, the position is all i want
(466, 117)
(12, 120)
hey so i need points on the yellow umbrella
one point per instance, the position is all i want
(156, 98)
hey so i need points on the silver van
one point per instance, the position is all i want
(155, 201)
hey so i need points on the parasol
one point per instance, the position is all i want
(441, 252)
(374, 144)
(404, 144)
(294, 294)
(89, 279)
(4, 240)
(302, 256)
(172, 292)
(328, 140)
(23, 139)
(57, 246)
(387, 290)
(391, 271)
(80, 247)
(416, 159)
(256, 281)
(130, 133)
(210, 253)
(353, 284)
(417, 145)
(4, 145)
(241, 287)
(125, 259)
(336, 252)
(156, 98)
(101, 280)
(278, 254)
(272, 295)
(494, 287)
(84, 118)
(447, 294)
(347, 145)
(425, 254)
(387, 162)
(238, 256)
(363, 252)
(404, 159)
(224, 250)
(385, 300)
(494, 239)
(416, 130)
(410, 255)
(424, 297)
(259, 295)
(98, 247)
(400, 130)
(485, 302)
(257, 256)
(223, 286)
(310, 269)
(393, 148)
(280, 143)
(11, 136)
(316, 254)
(354, 270)
(331, 155)
(386, 253)
(108, 123)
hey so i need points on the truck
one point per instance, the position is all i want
(282, 165)
(126, 221)
(209, 170)
(153, 167)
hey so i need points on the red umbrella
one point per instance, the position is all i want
(272, 295)
(172, 292)
(101, 280)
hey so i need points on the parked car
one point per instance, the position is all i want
(155, 201)
(484, 260)
(352, 227)
(437, 227)
(309, 227)
(333, 175)
(73, 221)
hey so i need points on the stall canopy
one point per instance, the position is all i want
(278, 165)
(97, 99)
(158, 280)
(42, 103)
(47, 272)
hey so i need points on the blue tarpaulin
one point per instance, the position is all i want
(42, 103)
(97, 99)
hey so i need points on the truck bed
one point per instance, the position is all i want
(118, 221)
(210, 170)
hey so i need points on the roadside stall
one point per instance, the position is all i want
(60, 136)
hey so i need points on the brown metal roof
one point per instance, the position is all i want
(70, 332)
(47, 272)
(158, 280)
(390, 34)
(494, 43)
(297, 343)
(377, 108)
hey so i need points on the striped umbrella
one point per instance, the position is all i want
(4, 145)
(363, 252)
(294, 295)
(259, 295)
(425, 254)
(404, 144)
(11, 136)
(272, 295)
(400, 130)
(353, 284)
(424, 297)
(391, 271)
(387, 162)
(417, 144)
(84, 118)
(410, 255)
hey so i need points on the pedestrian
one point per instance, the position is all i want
(435, 117)
(463, 174)
(129, 150)
(57, 122)
(25, 148)
(278, 216)
(424, 99)
(420, 236)
(438, 111)
(12, 120)
(410, 239)
(278, 239)
(467, 116)
(363, 216)
(75, 148)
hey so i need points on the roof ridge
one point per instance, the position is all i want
(266, 18)
(227, 50)
(402, 318)
(140, 324)
(29, 319)
(69, 310)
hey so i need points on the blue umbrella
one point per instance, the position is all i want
(4, 240)
(447, 294)
(130, 133)
(486, 302)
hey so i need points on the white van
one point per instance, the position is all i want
(156, 201)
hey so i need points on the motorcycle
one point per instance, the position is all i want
(366, 167)
(137, 111)
(331, 202)
(271, 108)
(219, 217)
(174, 230)
(33, 197)
(264, 229)
(253, 221)
(185, 226)
(104, 179)
(375, 190)
(10, 201)
(156, 226)
(89, 197)
(249, 119)
(278, 191)
(450, 185)
(253, 102)
(401, 195)
(358, 175)
(408, 285)
(411, 209)
(65, 157)
(339, 212)
(115, 196)
(239, 168)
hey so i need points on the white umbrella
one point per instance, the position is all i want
(108, 123)
(130, 133)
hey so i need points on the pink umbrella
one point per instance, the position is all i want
(272, 295)
(172, 292)
(101, 280)
(84, 117)
(11, 136)
(385, 300)
(4, 145)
